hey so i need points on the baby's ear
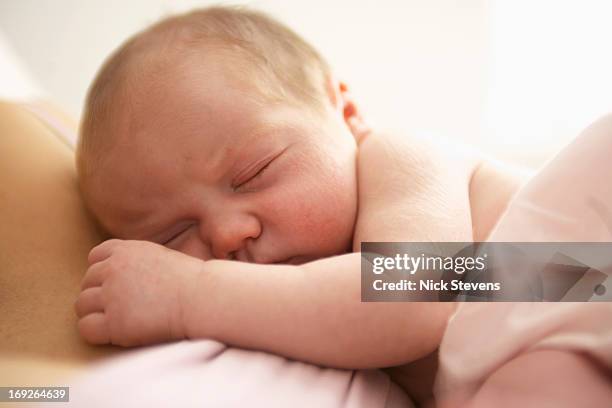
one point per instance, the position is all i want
(344, 103)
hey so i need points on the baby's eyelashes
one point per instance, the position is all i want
(258, 173)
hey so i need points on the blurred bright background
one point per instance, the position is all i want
(516, 78)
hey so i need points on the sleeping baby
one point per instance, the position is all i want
(239, 178)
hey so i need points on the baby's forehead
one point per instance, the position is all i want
(204, 126)
(160, 69)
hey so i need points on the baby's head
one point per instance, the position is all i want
(222, 134)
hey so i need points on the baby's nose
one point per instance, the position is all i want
(229, 236)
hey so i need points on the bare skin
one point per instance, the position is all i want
(46, 236)
(335, 330)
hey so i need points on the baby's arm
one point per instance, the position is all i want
(139, 293)
(310, 312)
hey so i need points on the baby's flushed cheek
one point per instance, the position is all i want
(327, 219)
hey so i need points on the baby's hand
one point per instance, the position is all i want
(132, 293)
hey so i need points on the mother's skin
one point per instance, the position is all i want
(46, 234)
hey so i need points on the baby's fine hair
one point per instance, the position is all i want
(281, 65)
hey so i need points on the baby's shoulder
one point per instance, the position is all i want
(415, 150)
(408, 158)
(411, 188)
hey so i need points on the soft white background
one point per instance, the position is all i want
(517, 78)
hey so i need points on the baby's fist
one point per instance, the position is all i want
(132, 293)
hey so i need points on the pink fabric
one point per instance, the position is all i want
(570, 199)
(206, 373)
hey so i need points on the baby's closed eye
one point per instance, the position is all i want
(253, 175)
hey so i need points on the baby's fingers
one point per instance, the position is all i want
(102, 251)
(89, 301)
(94, 276)
(94, 328)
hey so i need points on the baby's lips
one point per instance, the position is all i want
(242, 256)
(294, 260)
(283, 262)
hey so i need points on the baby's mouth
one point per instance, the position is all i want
(284, 262)
(294, 260)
